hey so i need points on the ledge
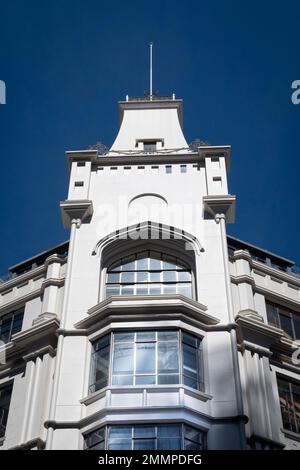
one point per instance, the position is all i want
(149, 388)
(126, 308)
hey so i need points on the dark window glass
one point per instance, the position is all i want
(287, 320)
(289, 396)
(100, 363)
(5, 396)
(146, 437)
(10, 324)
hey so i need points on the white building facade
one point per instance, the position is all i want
(151, 328)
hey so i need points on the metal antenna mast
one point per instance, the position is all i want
(151, 93)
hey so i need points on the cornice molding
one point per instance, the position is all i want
(11, 283)
(75, 209)
(220, 204)
(149, 307)
(243, 279)
(52, 281)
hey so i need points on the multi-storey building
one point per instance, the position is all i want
(151, 328)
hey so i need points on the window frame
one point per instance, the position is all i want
(186, 266)
(283, 311)
(183, 427)
(3, 386)
(200, 372)
(289, 381)
(11, 316)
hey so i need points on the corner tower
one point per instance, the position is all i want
(147, 354)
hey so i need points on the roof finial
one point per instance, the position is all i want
(151, 93)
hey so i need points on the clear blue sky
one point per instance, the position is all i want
(66, 64)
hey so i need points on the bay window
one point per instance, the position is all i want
(147, 358)
(174, 436)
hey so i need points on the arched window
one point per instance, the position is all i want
(149, 273)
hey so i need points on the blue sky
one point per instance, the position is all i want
(67, 63)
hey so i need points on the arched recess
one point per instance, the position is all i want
(147, 236)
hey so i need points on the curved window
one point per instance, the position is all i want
(146, 437)
(149, 273)
(147, 358)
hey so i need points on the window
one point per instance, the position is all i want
(146, 437)
(147, 358)
(183, 168)
(285, 319)
(168, 169)
(289, 396)
(10, 324)
(5, 395)
(149, 146)
(149, 273)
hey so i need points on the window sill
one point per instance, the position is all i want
(149, 388)
(291, 435)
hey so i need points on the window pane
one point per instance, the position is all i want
(154, 290)
(184, 289)
(142, 289)
(169, 262)
(167, 335)
(169, 288)
(144, 431)
(96, 437)
(144, 444)
(100, 364)
(169, 276)
(296, 320)
(164, 379)
(112, 290)
(119, 444)
(169, 430)
(128, 264)
(286, 405)
(122, 380)
(145, 357)
(127, 290)
(193, 434)
(286, 324)
(142, 261)
(113, 278)
(168, 357)
(127, 277)
(146, 336)
(118, 432)
(123, 337)
(145, 380)
(296, 402)
(5, 396)
(155, 277)
(155, 261)
(141, 276)
(272, 314)
(184, 276)
(169, 444)
(123, 358)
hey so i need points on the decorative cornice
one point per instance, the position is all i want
(78, 210)
(243, 279)
(19, 301)
(11, 283)
(52, 281)
(152, 307)
(40, 352)
(221, 204)
(284, 276)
